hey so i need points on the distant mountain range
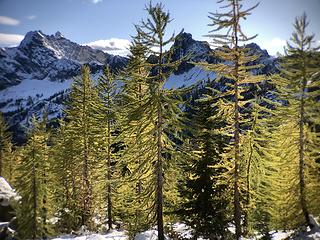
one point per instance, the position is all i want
(50, 57)
(38, 73)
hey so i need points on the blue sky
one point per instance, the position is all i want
(111, 21)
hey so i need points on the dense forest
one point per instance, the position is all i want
(239, 152)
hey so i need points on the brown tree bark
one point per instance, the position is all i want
(302, 150)
(237, 206)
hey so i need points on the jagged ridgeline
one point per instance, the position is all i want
(37, 74)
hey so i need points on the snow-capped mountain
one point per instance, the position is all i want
(52, 57)
(38, 73)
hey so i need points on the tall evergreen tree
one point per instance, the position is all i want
(298, 88)
(35, 208)
(205, 206)
(64, 160)
(256, 147)
(109, 145)
(137, 172)
(235, 70)
(159, 107)
(283, 169)
(82, 125)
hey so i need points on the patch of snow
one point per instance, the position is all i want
(314, 236)
(113, 235)
(32, 88)
(150, 235)
(53, 220)
(280, 235)
(6, 192)
(189, 78)
(183, 230)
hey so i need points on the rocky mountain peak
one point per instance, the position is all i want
(256, 49)
(31, 37)
(58, 34)
(186, 45)
(40, 56)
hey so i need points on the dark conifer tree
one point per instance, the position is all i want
(206, 201)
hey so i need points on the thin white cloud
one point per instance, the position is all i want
(115, 46)
(274, 46)
(10, 39)
(31, 17)
(96, 1)
(4, 20)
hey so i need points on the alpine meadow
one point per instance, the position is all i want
(161, 136)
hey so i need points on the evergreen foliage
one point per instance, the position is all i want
(83, 129)
(298, 89)
(64, 160)
(156, 114)
(137, 168)
(35, 189)
(205, 206)
(235, 69)
(5, 148)
(109, 145)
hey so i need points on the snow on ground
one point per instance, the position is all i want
(188, 78)
(114, 235)
(152, 235)
(6, 192)
(183, 230)
(280, 235)
(313, 236)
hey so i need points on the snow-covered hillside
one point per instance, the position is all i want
(188, 78)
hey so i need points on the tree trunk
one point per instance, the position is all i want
(44, 207)
(248, 176)
(159, 169)
(86, 193)
(160, 179)
(109, 208)
(246, 214)
(1, 160)
(237, 207)
(10, 167)
(34, 193)
(301, 155)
